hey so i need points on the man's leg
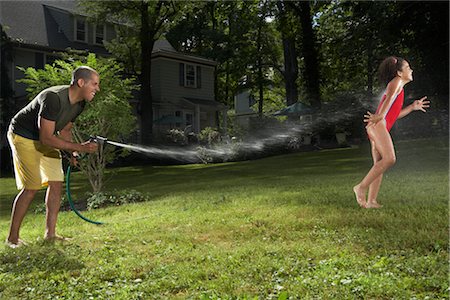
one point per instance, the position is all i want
(28, 180)
(53, 203)
(20, 207)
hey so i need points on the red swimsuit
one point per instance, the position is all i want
(394, 110)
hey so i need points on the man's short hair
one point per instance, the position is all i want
(82, 72)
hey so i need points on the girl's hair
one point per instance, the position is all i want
(388, 69)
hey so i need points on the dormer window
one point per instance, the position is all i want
(190, 76)
(80, 30)
(99, 34)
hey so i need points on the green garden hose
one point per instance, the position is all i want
(69, 198)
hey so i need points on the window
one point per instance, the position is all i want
(189, 119)
(178, 114)
(99, 34)
(190, 76)
(50, 59)
(80, 30)
(39, 60)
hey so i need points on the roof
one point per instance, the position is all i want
(196, 101)
(162, 48)
(35, 23)
(44, 24)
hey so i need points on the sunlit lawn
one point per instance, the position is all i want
(285, 226)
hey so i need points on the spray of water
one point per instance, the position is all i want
(258, 141)
(186, 155)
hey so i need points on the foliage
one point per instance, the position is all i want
(236, 231)
(177, 136)
(115, 198)
(209, 136)
(108, 115)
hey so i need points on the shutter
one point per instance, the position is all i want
(199, 77)
(181, 74)
(39, 60)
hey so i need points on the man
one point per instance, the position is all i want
(36, 134)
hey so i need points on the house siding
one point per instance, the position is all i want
(167, 86)
(25, 59)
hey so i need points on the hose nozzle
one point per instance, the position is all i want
(98, 139)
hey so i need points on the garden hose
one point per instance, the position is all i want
(69, 198)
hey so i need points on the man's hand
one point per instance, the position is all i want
(89, 147)
(74, 159)
(421, 104)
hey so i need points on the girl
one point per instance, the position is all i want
(395, 72)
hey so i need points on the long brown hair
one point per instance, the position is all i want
(388, 69)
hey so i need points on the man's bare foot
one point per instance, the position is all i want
(360, 196)
(373, 205)
(56, 238)
(15, 245)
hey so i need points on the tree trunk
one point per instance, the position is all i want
(290, 70)
(369, 66)
(310, 55)
(260, 72)
(146, 107)
(290, 73)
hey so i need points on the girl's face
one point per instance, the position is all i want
(406, 72)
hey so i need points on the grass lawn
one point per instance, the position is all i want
(280, 227)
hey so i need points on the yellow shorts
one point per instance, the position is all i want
(34, 163)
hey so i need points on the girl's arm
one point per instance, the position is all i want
(416, 105)
(391, 92)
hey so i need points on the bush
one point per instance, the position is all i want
(103, 199)
(209, 136)
(177, 136)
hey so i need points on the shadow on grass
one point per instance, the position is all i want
(39, 256)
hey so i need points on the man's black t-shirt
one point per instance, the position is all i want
(52, 104)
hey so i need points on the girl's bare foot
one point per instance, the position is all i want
(373, 205)
(360, 195)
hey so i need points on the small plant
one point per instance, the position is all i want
(103, 199)
(177, 136)
(209, 136)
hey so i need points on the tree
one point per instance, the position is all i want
(290, 71)
(144, 22)
(6, 101)
(111, 103)
(310, 72)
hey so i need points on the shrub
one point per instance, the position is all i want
(209, 136)
(177, 136)
(103, 199)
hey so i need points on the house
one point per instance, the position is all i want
(38, 30)
(243, 108)
(183, 91)
(182, 85)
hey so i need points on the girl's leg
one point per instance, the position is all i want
(384, 146)
(374, 187)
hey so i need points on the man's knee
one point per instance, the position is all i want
(29, 193)
(55, 185)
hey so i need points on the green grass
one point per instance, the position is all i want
(280, 227)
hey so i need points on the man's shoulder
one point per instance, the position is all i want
(55, 92)
(57, 89)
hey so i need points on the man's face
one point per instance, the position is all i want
(90, 87)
